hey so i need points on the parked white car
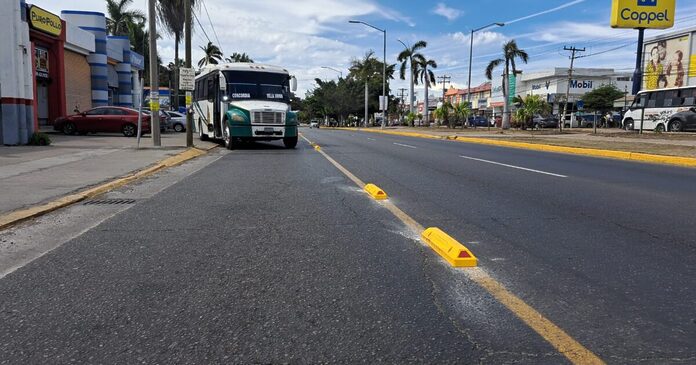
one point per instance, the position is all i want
(178, 121)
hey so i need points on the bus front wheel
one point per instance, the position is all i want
(290, 142)
(229, 140)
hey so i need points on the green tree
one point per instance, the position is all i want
(172, 15)
(529, 107)
(444, 113)
(239, 57)
(410, 56)
(212, 55)
(120, 19)
(602, 98)
(510, 53)
(461, 112)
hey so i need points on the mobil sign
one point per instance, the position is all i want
(649, 14)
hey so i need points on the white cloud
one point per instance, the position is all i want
(447, 12)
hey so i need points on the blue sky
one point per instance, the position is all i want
(304, 35)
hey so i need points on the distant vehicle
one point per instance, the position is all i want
(478, 121)
(108, 119)
(178, 121)
(245, 102)
(683, 121)
(314, 124)
(661, 110)
(164, 119)
(540, 122)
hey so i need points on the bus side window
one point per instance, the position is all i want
(660, 99)
(639, 102)
(652, 100)
(672, 99)
(210, 91)
(688, 96)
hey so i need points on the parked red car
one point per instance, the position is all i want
(110, 119)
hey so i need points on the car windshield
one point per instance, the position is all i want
(251, 85)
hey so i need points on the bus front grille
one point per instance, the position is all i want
(268, 118)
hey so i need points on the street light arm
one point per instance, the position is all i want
(369, 25)
(488, 26)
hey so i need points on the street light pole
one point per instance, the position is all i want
(471, 52)
(412, 96)
(335, 70)
(383, 103)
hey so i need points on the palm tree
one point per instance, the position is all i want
(410, 56)
(120, 20)
(367, 69)
(510, 53)
(427, 77)
(461, 112)
(444, 112)
(239, 57)
(212, 55)
(530, 106)
(172, 15)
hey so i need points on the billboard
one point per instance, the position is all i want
(666, 63)
(649, 14)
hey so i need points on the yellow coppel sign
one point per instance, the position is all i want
(44, 21)
(649, 14)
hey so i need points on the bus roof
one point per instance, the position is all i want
(667, 89)
(242, 66)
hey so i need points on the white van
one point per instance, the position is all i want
(657, 109)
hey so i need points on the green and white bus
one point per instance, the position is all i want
(245, 102)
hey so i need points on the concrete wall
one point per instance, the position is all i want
(16, 75)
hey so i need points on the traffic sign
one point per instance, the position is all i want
(186, 79)
(581, 105)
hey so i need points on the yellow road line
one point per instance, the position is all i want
(554, 335)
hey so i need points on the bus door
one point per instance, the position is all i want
(215, 95)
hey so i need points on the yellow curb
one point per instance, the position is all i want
(375, 192)
(17, 216)
(592, 152)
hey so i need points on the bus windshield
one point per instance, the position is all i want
(250, 85)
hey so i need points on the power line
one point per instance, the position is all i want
(201, 26)
(212, 26)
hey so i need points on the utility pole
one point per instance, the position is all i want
(154, 77)
(189, 94)
(444, 79)
(570, 78)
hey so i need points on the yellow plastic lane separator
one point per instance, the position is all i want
(450, 249)
(17, 216)
(566, 345)
(375, 192)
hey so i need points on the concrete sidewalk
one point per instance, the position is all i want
(31, 175)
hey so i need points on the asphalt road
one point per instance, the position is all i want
(605, 249)
(263, 256)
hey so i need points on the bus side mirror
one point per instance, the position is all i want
(293, 84)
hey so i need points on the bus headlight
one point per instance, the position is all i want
(238, 118)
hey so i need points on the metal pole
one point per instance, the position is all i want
(366, 102)
(638, 72)
(187, 46)
(471, 49)
(140, 111)
(642, 117)
(595, 122)
(426, 104)
(154, 77)
(384, 83)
